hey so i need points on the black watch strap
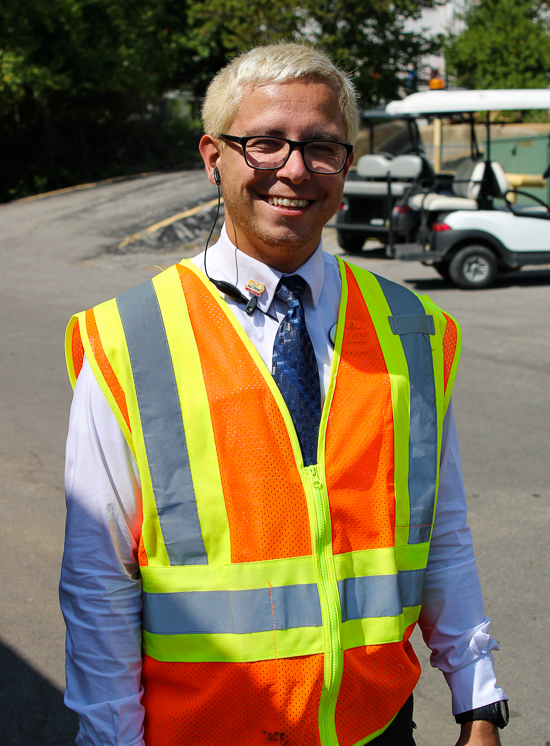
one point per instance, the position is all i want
(496, 713)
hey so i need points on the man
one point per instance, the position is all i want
(255, 446)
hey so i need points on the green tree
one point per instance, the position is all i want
(83, 83)
(369, 39)
(81, 89)
(506, 44)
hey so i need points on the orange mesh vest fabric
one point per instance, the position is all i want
(277, 701)
(359, 440)
(250, 704)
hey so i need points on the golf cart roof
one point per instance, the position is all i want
(376, 115)
(454, 102)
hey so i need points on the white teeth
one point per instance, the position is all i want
(285, 202)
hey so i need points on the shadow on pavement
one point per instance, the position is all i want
(31, 708)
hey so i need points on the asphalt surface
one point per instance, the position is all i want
(59, 255)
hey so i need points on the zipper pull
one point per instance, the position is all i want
(316, 478)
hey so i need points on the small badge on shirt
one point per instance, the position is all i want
(256, 288)
(332, 334)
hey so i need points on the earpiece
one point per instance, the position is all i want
(223, 286)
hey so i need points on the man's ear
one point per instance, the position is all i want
(349, 163)
(208, 147)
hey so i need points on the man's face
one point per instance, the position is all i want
(282, 236)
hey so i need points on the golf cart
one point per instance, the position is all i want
(393, 167)
(468, 226)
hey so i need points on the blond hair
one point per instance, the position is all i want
(275, 63)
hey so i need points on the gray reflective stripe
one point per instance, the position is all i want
(370, 596)
(237, 612)
(423, 415)
(414, 323)
(161, 420)
(411, 586)
(380, 595)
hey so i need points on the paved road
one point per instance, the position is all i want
(55, 261)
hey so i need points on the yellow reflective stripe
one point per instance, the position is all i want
(69, 346)
(199, 434)
(225, 648)
(109, 325)
(378, 630)
(410, 615)
(412, 556)
(372, 631)
(386, 561)
(257, 359)
(396, 362)
(239, 576)
(366, 562)
(111, 331)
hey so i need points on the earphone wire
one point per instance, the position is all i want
(214, 282)
(212, 231)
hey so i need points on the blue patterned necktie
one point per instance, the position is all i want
(295, 367)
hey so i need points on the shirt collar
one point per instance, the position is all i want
(225, 261)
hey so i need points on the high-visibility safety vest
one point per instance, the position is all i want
(278, 599)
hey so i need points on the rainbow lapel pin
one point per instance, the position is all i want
(256, 288)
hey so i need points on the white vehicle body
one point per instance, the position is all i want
(465, 235)
(518, 234)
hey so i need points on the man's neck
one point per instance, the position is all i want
(286, 258)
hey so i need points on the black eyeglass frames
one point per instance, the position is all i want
(267, 153)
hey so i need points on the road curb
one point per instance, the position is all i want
(134, 237)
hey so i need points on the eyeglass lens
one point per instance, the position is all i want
(270, 152)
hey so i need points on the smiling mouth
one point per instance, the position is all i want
(287, 202)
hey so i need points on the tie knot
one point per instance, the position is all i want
(291, 289)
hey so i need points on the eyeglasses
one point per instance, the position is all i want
(269, 153)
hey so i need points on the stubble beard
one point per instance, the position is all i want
(283, 236)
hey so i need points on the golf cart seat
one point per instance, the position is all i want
(465, 186)
(378, 175)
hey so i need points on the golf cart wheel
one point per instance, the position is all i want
(351, 242)
(473, 268)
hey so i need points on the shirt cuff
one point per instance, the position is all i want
(474, 685)
(115, 723)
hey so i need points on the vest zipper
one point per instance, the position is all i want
(328, 594)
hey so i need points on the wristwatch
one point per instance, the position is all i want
(496, 713)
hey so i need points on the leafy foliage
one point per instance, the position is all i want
(370, 41)
(506, 44)
(84, 83)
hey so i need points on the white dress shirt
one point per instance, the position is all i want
(100, 588)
